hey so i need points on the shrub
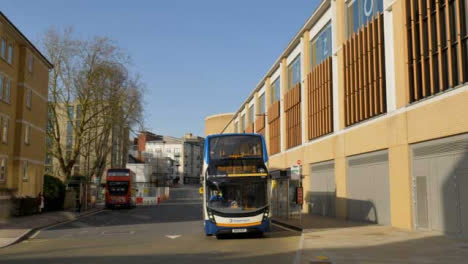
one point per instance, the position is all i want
(54, 193)
(24, 205)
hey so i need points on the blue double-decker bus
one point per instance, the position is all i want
(235, 184)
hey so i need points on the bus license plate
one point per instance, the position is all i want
(239, 230)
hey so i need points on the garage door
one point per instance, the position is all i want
(440, 185)
(368, 188)
(321, 196)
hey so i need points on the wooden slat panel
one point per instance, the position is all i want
(371, 68)
(260, 122)
(449, 44)
(355, 80)
(346, 81)
(381, 65)
(422, 39)
(375, 55)
(321, 109)
(461, 60)
(360, 82)
(365, 71)
(430, 47)
(439, 47)
(415, 52)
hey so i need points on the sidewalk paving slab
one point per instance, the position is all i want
(334, 240)
(15, 229)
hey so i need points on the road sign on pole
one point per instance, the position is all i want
(296, 172)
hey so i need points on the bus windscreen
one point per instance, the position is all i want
(118, 187)
(236, 195)
(236, 147)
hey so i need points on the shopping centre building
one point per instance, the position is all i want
(371, 98)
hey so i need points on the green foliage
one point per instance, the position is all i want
(54, 193)
(24, 205)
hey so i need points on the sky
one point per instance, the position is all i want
(195, 57)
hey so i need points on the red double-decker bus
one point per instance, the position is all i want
(119, 185)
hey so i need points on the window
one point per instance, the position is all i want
(30, 63)
(321, 46)
(25, 170)
(294, 72)
(361, 11)
(251, 114)
(275, 90)
(10, 53)
(5, 130)
(3, 49)
(3, 169)
(168, 150)
(7, 90)
(1, 87)
(261, 102)
(27, 132)
(69, 128)
(70, 111)
(28, 98)
(78, 111)
(236, 127)
(48, 159)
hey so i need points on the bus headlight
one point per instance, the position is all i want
(261, 170)
(211, 217)
(266, 214)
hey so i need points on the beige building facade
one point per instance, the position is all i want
(24, 74)
(371, 96)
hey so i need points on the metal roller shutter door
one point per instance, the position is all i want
(322, 192)
(368, 188)
(440, 185)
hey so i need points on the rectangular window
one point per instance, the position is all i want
(25, 170)
(294, 72)
(251, 114)
(48, 159)
(7, 90)
(78, 111)
(361, 11)
(10, 53)
(3, 169)
(27, 132)
(275, 90)
(3, 49)
(236, 127)
(30, 63)
(261, 101)
(5, 130)
(28, 98)
(1, 87)
(70, 111)
(321, 46)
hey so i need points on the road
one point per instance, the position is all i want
(171, 232)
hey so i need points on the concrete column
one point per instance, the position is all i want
(389, 57)
(399, 160)
(283, 89)
(341, 177)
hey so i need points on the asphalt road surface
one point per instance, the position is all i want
(171, 232)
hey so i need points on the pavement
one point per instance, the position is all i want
(333, 240)
(171, 232)
(13, 230)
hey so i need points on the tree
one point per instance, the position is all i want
(91, 92)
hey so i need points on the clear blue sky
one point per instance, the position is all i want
(196, 57)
